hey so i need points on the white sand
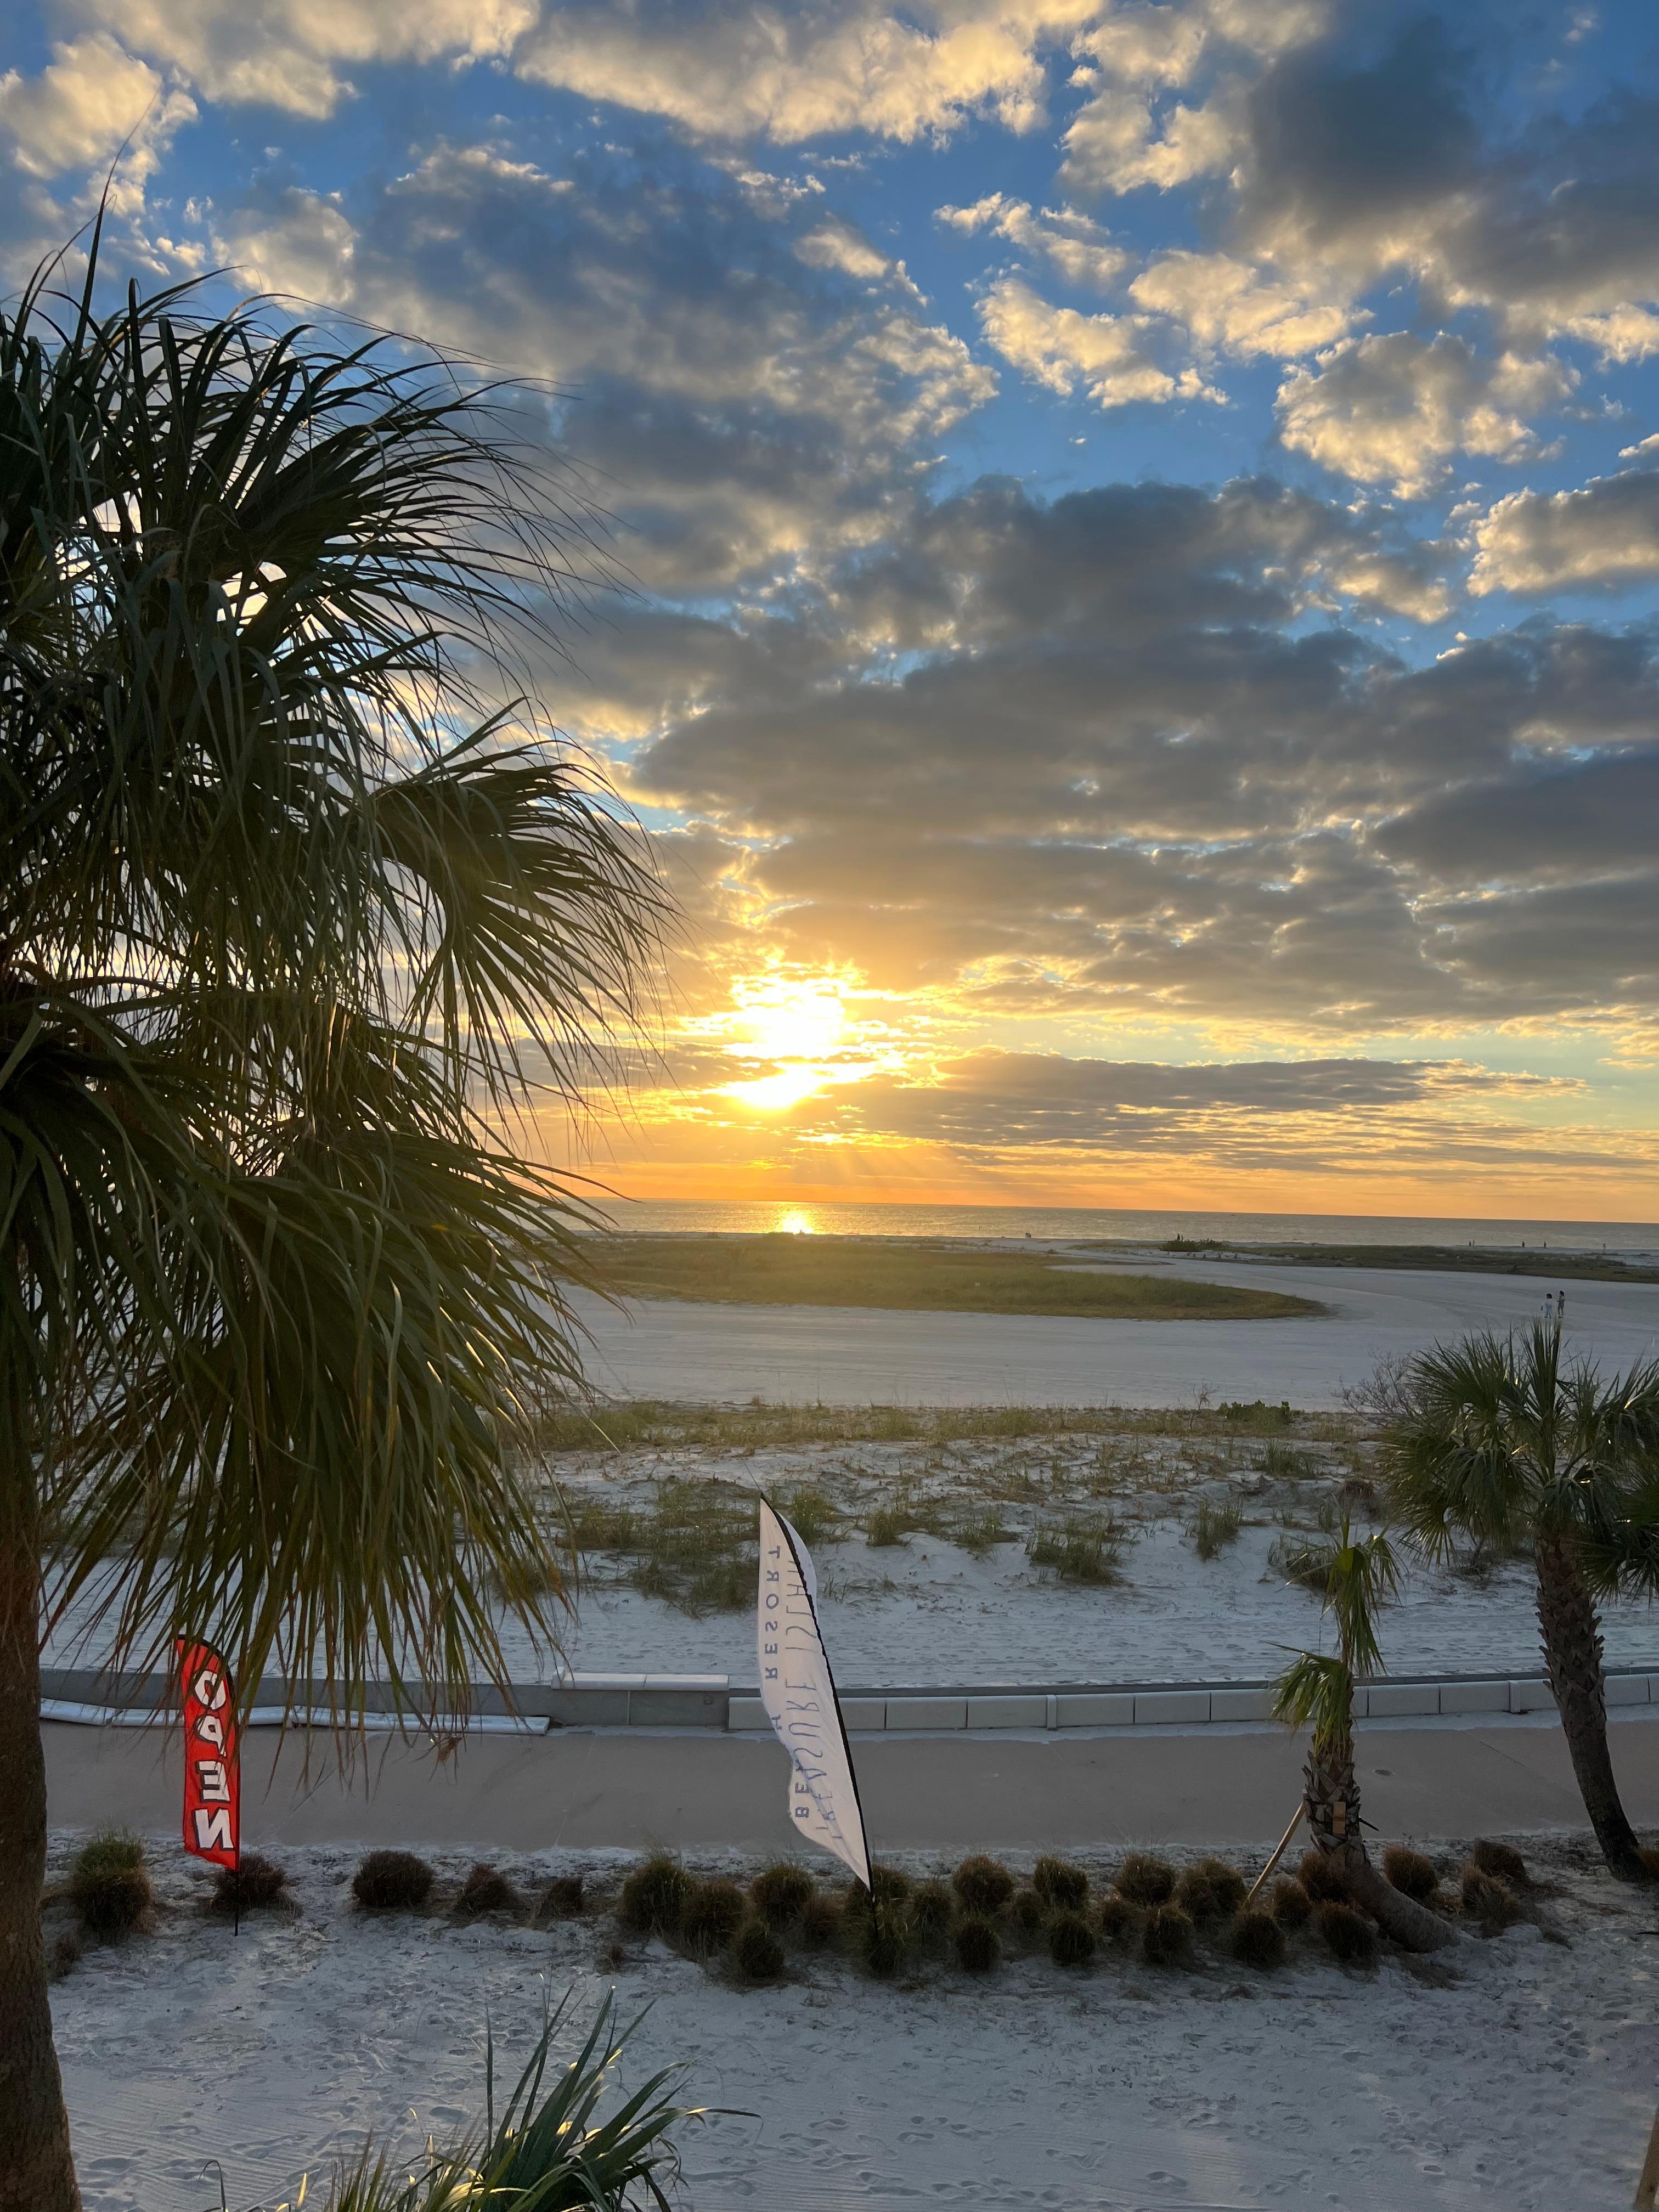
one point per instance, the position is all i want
(843, 1356)
(1527, 2084)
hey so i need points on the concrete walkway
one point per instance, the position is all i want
(634, 1790)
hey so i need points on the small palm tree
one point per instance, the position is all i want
(1356, 1577)
(1502, 1442)
(301, 913)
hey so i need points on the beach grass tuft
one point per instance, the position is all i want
(1410, 1871)
(1502, 1861)
(1348, 1935)
(1059, 1883)
(653, 1896)
(1256, 1939)
(1321, 1874)
(1214, 1527)
(1071, 1940)
(984, 1884)
(1289, 1903)
(1118, 1920)
(563, 1900)
(254, 1883)
(109, 1885)
(711, 1913)
(756, 1953)
(780, 1893)
(391, 1881)
(1166, 1938)
(1488, 1900)
(1089, 1551)
(978, 1948)
(1144, 1881)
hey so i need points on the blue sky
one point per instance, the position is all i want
(1144, 532)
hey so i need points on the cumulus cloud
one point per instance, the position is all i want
(1104, 357)
(297, 57)
(727, 68)
(1604, 536)
(1392, 408)
(78, 109)
(1079, 249)
(750, 381)
(1229, 306)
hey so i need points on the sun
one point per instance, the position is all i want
(790, 1018)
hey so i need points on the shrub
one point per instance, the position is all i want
(933, 1909)
(780, 1893)
(1349, 1934)
(1322, 1878)
(562, 1899)
(757, 1953)
(977, 1947)
(1487, 1900)
(1144, 1879)
(1071, 1940)
(821, 1921)
(1167, 1938)
(1027, 1911)
(888, 1938)
(108, 1886)
(889, 1885)
(485, 1890)
(391, 1881)
(244, 1887)
(1057, 1883)
(1410, 1872)
(1289, 1903)
(1211, 1890)
(711, 1914)
(653, 1896)
(1118, 1920)
(1256, 1938)
(984, 1885)
(1501, 1861)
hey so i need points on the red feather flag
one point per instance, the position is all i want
(213, 1766)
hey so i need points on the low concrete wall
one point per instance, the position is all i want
(1184, 1705)
(707, 1701)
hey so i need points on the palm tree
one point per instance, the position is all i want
(302, 912)
(1356, 1578)
(1500, 1441)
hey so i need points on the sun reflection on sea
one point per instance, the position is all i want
(795, 1223)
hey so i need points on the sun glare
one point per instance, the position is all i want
(772, 1092)
(786, 1018)
(797, 1225)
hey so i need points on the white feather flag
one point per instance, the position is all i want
(798, 1693)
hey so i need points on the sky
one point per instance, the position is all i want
(1138, 655)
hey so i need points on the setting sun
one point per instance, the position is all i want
(771, 1092)
(789, 1018)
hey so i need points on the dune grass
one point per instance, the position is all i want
(916, 1276)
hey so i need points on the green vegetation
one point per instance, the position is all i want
(1144, 1881)
(907, 1275)
(1257, 1939)
(253, 1883)
(978, 1950)
(984, 1885)
(654, 1896)
(1435, 1259)
(541, 2151)
(486, 1889)
(1212, 1526)
(1410, 1871)
(304, 911)
(109, 1885)
(1078, 1551)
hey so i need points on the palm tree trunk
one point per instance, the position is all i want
(36, 2173)
(1573, 1653)
(1331, 1795)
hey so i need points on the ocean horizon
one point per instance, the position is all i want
(758, 1217)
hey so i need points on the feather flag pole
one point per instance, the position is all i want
(798, 1690)
(212, 1762)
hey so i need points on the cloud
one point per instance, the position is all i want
(295, 56)
(1121, 774)
(90, 96)
(1604, 536)
(1064, 351)
(1393, 408)
(750, 383)
(1228, 307)
(1079, 249)
(731, 69)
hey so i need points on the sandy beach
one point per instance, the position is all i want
(840, 1356)
(1519, 2078)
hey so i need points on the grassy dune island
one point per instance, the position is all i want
(911, 1275)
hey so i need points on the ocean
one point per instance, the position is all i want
(706, 1217)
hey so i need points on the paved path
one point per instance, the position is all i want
(842, 1356)
(695, 1792)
